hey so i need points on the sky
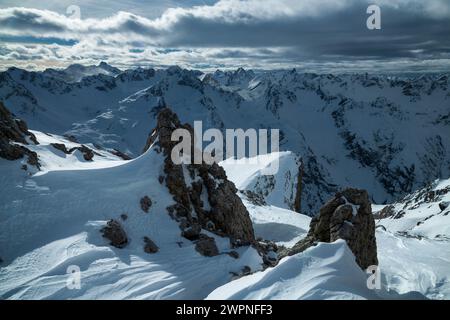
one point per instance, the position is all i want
(311, 35)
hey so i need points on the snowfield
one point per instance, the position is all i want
(51, 220)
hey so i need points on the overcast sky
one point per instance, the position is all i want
(312, 35)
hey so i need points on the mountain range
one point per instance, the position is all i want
(85, 182)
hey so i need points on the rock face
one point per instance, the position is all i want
(298, 193)
(204, 197)
(347, 216)
(114, 232)
(15, 130)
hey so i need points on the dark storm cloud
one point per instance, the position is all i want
(271, 31)
(339, 34)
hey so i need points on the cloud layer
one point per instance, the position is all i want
(313, 34)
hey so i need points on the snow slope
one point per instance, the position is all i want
(51, 220)
(388, 135)
(327, 271)
(414, 250)
(276, 189)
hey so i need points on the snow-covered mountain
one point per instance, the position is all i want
(81, 187)
(76, 72)
(389, 135)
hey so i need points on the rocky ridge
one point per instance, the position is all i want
(14, 135)
(204, 198)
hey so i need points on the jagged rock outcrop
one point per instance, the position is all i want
(15, 130)
(347, 216)
(204, 197)
(114, 232)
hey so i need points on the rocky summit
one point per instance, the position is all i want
(204, 197)
(347, 216)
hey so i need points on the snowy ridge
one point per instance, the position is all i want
(327, 271)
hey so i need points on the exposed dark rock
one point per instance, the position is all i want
(120, 154)
(225, 213)
(15, 130)
(444, 205)
(347, 216)
(269, 252)
(399, 214)
(192, 232)
(146, 203)
(114, 232)
(150, 246)
(233, 254)
(60, 146)
(246, 271)
(206, 246)
(386, 212)
(298, 193)
(255, 198)
(88, 154)
(124, 216)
